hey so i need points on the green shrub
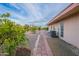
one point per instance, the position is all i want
(11, 34)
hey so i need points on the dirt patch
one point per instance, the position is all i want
(23, 52)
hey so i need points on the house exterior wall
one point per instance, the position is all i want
(71, 30)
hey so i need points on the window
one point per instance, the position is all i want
(53, 28)
(62, 29)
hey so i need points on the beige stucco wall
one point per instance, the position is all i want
(71, 30)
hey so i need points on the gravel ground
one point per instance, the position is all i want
(61, 48)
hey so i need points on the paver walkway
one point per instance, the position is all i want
(44, 45)
(41, 47)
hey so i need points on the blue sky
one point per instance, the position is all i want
(29, 13)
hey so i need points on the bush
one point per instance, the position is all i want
(11, 34)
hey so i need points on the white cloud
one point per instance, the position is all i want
(35, 12)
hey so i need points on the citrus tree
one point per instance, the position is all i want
(11, 34)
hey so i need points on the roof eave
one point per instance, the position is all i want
(72, 9)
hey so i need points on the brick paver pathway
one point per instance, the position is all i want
(41, 46)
